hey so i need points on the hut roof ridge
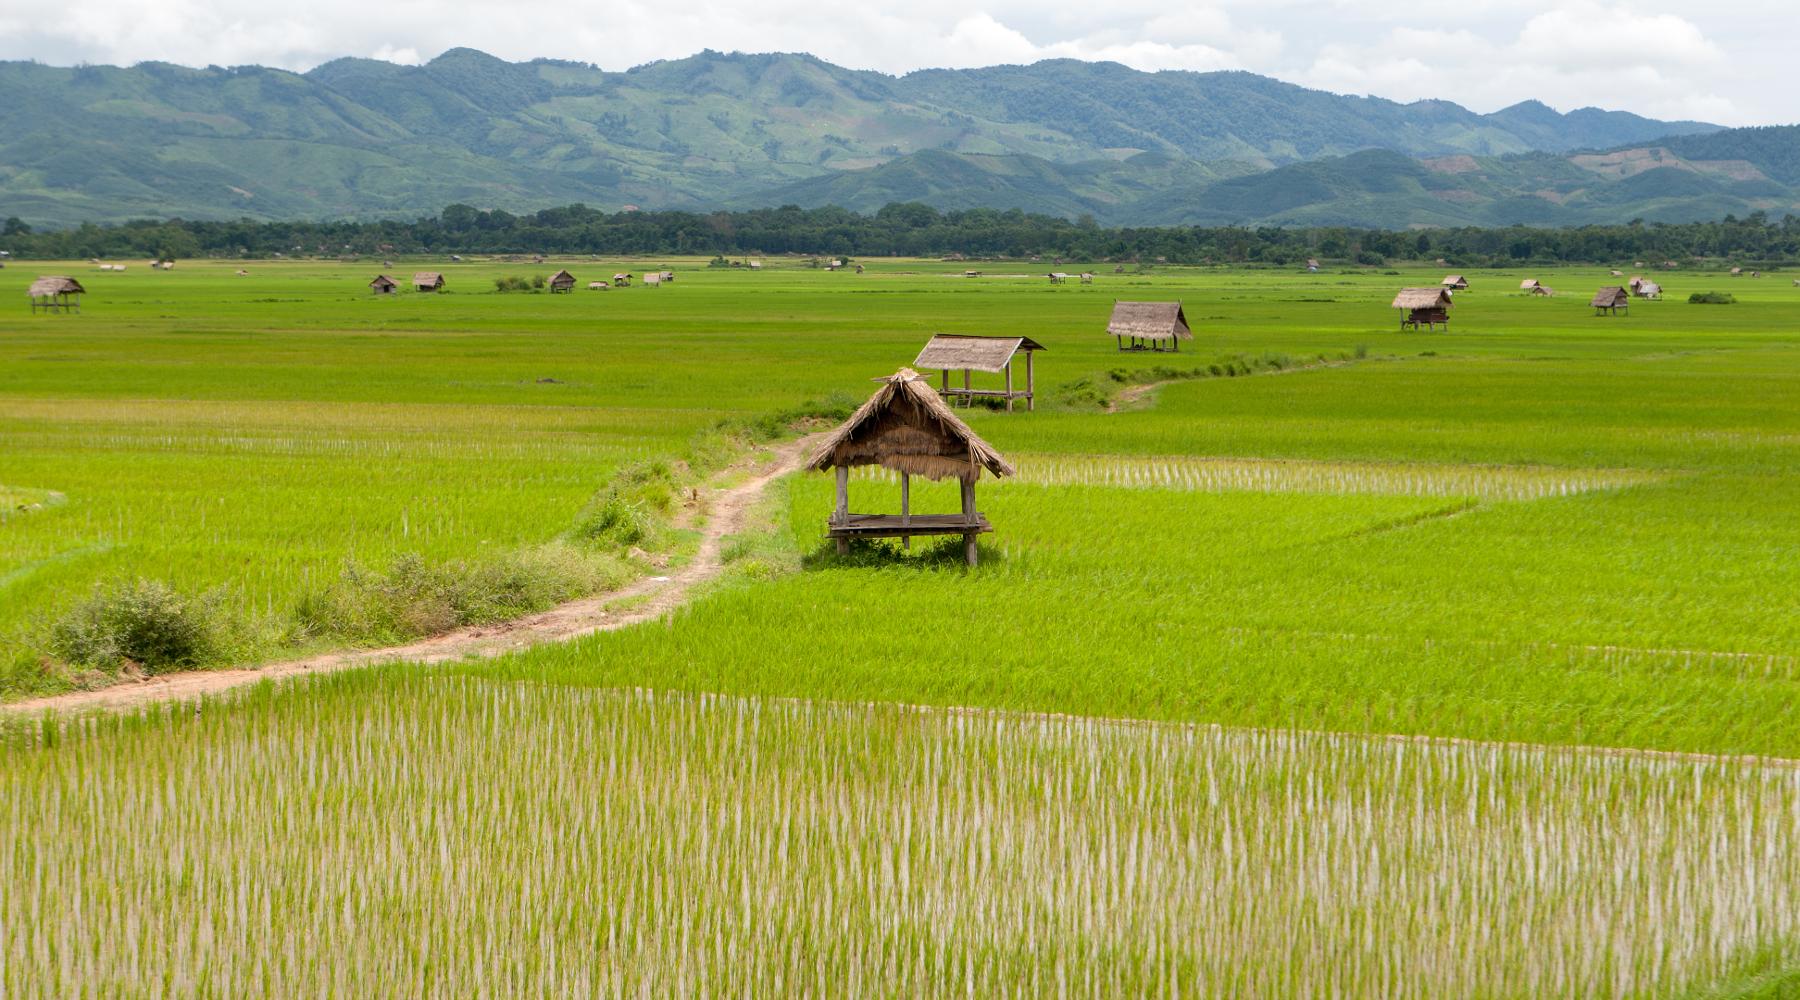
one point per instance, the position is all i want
(1149, 320)
(982, 354)
(916, 447)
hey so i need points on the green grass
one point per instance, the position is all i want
(1538, 527)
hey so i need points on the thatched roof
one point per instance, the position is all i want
(1611, 295)
(1528, 284)
(1455, 281)
(1422, 298)
(55, 284)
(1649, 288)
(1149, 321)
(982, 354)
(905, 427)
(382, 281)
(427, 278)
(562, 277)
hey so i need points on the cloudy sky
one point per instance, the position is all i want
(1728, 63)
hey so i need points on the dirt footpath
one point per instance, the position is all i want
(651, 597)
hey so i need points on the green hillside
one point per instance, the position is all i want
(358, 138)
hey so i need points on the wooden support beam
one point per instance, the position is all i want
(843, 492)
(970, 553)
(1009, 392)
(966, 398)
(905, 508)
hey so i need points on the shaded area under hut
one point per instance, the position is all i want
(949, 351)
(906, 427)
(1426, 307)
(1149, 326)
(56, 293)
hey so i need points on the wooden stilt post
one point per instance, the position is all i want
(843, 507)
(1009, 398)
(967, 399)
(969, 515)
(905, 508)
(1030, 385)
(946, 381)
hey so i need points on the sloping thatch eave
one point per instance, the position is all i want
(1149, 321)
(982, 354)
(1422, 298)
(905, 427)
(1610, 296)
(55, 284)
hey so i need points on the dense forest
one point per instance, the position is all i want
(907, 230)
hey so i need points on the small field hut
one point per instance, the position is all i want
(1426, 307)
(1087, 277)
(562, 281)
(948, 352)
(653, 279)
(1455, 282)
(55, 293)
(622, 280)
(667, 276)
(1058, 277)
(428, 281)
(1611, 300)
(598, 286)
(1644, 288)
(907, 428)
(1148, 326)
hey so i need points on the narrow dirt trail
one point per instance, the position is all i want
(726, 509)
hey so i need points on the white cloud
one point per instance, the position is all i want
(1659, 57)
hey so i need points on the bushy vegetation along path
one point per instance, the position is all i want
(642, 600)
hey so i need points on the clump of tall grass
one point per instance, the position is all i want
(1711, 299)
(414, 598)
(513, 283)
(143, 622)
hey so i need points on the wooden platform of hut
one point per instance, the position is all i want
(906, 427)
(55, 293)
(1149, 326)
(948, 352)
(1611, 301)
(1426, 307)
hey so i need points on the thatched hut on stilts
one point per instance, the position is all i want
(906, 427)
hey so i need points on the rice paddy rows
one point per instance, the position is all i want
(1205, 474)
(455, 836)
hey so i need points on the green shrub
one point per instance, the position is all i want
(1711, 299)
(613, 520)
(145, 622)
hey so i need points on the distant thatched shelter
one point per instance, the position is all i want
(1149, 326)
(56, 293)
(994, 355)
(1087, 277)
(1058, 277)
(562, 281)
(653, 278)
(1611, 300)
(1528, 284)
(667, 276)
(1312, 265)
(1736, 271)
(906, 427)
(622, 280)
(1427, 307)
(1455, 282)
(428, 281)
(1644, 288)
(598, 286)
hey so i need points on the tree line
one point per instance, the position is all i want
(909, 229)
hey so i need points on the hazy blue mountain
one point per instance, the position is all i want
(359, 138)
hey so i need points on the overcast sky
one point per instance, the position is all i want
(1727, 63)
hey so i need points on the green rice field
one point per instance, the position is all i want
(1338, 661)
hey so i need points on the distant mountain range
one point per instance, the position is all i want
(359, 138)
